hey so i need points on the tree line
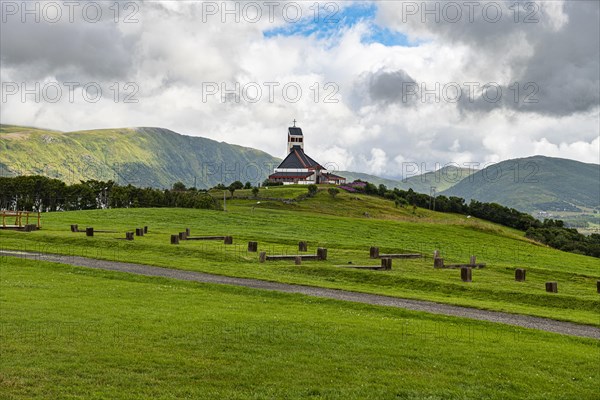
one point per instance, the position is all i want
(39, 193)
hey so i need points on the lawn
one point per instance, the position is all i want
(347, 225)
(70, 332)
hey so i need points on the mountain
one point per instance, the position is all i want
(141, 156)
(534, 183)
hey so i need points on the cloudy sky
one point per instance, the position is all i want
(374, 85)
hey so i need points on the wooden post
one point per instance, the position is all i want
(174, 239)
(436, 254)
(598, 286)
(188, 232)
(228, 240)
(145, 230)
(321, 254)
(252, 247)
(552, 287)
(386, 263)
(520, 275)
(302, 246)
(298, 260)
(473, 260)
(262, 257)
(128, 235)
(182, 236)
(374, 252)
(89, 231)
(438, 263)
(466, 274)
(139, 232)
(74, 228)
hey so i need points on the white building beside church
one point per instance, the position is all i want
(299, 168)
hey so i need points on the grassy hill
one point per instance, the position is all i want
(141, 156)
(347, 225)
(534, 183)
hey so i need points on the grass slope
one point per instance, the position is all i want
(534, 183)
(74, 333)
(347, 225)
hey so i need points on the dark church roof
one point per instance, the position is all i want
(295, 131)
(298, 159)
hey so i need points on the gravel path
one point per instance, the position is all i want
(542, 324)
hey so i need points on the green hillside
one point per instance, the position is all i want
(534, 183)
(347, 225)
(141, 156)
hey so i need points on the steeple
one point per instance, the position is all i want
(295, 137)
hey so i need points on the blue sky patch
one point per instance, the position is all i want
(331, 19)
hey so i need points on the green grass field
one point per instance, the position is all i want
(347, 225)
(75, 333)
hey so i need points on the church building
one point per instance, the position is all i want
(299, 168)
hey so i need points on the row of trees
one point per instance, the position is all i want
(237, 185)
(550, 232)
(566, 239)
(38, 193)
(489, 211)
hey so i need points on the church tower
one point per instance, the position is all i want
(297, 168)
(295, 137)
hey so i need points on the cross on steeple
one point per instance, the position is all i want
(294, 122)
